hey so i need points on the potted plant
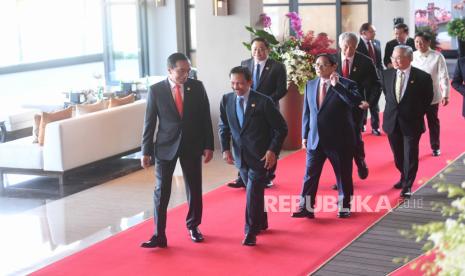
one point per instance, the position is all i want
(456, 28)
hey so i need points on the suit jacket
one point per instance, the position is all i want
(189, 135)
(363, 72)
(410, 111)
(273, 79)
(263, 129)
(457, 80)
(390, 48)
(332, 124)
(362, 48)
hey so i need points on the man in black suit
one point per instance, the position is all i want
(328, 132)
(181, 108)
(269, 77)
(408, 92)
(371, 47)
(360, 69)
(401, 33)
(257, 130)
(457, 80)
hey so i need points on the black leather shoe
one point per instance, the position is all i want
(343, 214)
(436, 152)
(376, 132)
(334, 187)
(195, 234)
(303, 214)
(236, 184)
(155, 241)
(406, 193)
(269, 184)
(362, 170)
(250, 240)
(398, 185)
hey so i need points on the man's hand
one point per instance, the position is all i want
(228, 157)
(270, 159)
(364, 105)
(445, 101)
(334, 78)
(208, 155)
(145, 161)
(304, 143)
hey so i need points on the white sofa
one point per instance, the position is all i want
(75, 142)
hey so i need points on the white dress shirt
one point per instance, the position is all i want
(406, 76)
(433, 63)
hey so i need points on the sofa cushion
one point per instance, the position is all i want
(21, 154)
(52, 117)
(35, 128)
(121, 101)
(82, 109)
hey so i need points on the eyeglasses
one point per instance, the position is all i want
(323, 65)
(396, 58)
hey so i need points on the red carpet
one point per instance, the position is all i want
(289, 247)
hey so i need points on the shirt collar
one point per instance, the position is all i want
(406, 71)
(173, 84)
(262, 62)
(245, 96)
(351, 59)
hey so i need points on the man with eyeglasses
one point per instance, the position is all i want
(371, 47)
(359, 68)
(181, 108)
(408, 92)
(328, 132)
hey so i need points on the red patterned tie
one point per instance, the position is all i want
(178, 98)
(371, 51)
(345, 70)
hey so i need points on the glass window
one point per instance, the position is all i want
(316, 1)
(279, 21)
(276, 2)
(319, 19)
(35, 31)
(353, 16)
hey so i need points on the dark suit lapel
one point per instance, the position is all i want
(170, 99)
(250, 109)
(189, 99)
(265, 72)
(393, 85)
(355, 65)
(339, 64)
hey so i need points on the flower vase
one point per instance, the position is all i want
(291, 107)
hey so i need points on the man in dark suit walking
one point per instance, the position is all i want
(401, 33)
(257, 130)
(408, 92)
(458, 80)
(328, 132)
(181, 108)
(371, 47)
(360, 69)
(269, 78)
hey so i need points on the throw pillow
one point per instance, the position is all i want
(52, 117)
(82, 109)
(121, 101)
(35, 128)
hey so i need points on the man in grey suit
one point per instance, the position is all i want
(257, 130)
(181, 108)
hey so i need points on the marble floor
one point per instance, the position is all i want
(37, 232)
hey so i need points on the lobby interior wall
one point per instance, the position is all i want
(219, 47)
(383, 13)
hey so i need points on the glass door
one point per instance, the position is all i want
(122, 41)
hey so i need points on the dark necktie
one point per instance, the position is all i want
(240, 109)
(321, 94)
(371, 51)
(256, 76)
